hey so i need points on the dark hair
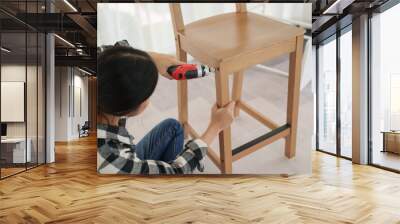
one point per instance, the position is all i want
(126, 78)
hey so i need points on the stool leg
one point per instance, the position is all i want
(237, 90)
(293, 96)
(183, 116)
(225, 148)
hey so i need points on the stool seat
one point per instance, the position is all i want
(228, 35)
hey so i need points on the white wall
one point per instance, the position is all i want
(12, 100)
(33, 126)
(61, 105)
(66, 119)
(81, 83)
(16, 72)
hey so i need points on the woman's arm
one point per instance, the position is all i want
(221, 118)
(163, 61)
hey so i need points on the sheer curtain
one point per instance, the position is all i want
(148, 26)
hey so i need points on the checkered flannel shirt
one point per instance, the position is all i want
(116, 155)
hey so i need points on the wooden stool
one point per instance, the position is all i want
(230, 43)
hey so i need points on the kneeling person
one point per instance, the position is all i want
(126, 79)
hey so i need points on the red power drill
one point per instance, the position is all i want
(189, 71)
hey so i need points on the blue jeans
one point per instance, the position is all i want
(164, 142)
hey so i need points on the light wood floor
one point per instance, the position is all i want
(70, 191)
(13, 170)
(387, 159)
(10, 171)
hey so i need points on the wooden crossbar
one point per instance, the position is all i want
(210, 153)
(260, 142)
(253, 145)
(256, 115)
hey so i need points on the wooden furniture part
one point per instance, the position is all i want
(391, 141)
(231, 43)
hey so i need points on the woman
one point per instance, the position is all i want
(126, 79)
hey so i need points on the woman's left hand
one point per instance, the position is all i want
(163, 61)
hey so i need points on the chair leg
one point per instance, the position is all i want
(293, 96)
(225, 148)
(237, 90)
(183, 97)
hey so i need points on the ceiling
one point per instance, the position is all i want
(76, 22)
(332, 15)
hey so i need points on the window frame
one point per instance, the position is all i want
(334, 37)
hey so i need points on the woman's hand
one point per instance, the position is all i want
(163, 61)
(221, 118)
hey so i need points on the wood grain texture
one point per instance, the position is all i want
(182, 95)
(225, 142)
(257, 115)
(241, 7)
(294, 96)
(237, 90)
(230, 34)
(261, 144)
(70, 191)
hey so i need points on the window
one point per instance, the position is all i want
(335, 94)
(395, 102)
(346, 93)
(327, 97)
(385, 89)
(22, 66)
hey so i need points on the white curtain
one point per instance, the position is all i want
(148, 26)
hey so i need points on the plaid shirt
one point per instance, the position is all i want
(116, 154)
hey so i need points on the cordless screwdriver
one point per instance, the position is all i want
(189, 71)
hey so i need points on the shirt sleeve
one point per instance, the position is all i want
(191, 158)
